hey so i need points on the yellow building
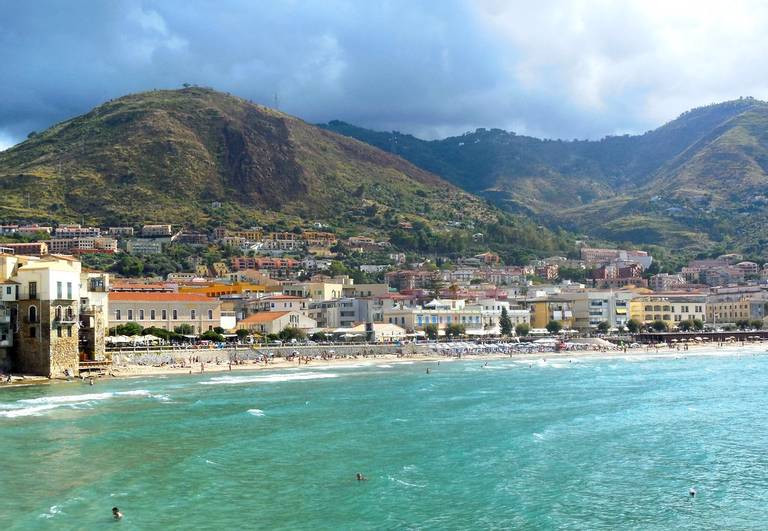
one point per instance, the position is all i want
(318, 291)
(545, 310)
(217, 289)
(672, 309)
(729, 311)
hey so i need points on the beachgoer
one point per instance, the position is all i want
(116, 514)
(692, 492)
(427, 370)
(360, 477)
(90, 381)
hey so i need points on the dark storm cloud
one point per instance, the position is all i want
(432, 68)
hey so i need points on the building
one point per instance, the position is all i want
(411, 279)
(156, 231)
(666, 282)
(318, 291)
(33, 230)
(275, 322)
(120, 232)
(164, 310)
(276, 267)
(594, 257)
(83, 245)
(365, 290)
(144, 246)
(28, 249)
(614, 276)
(221, 289)
(671, 308)
(477, 319)
(281, 303)
(76, 231)
(45, 315)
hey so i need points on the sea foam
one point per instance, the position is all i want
(256, 412)
(35, 406)
(269, 378)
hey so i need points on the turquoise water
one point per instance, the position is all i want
(598, 444)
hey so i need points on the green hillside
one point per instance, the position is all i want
(696, 182)
(174, 155)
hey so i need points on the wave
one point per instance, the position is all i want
(256, 412)
(406, 483)
(35, 406)
(269, 378)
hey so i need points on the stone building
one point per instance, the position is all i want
(42, 302)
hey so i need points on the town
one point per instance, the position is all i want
(59, 310)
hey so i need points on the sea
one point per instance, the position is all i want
(520, 443)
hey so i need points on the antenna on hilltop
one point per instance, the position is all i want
(277, 102)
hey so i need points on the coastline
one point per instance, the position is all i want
(135, 370)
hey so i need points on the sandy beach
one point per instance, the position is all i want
(277, 363)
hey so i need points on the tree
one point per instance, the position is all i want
(603, 327)
(185, 329)
(242, 333)
(742, 324)
(757, 324)
(685, 326)
(698, 324)
(431, 331)
(210, 335)
(505, 323)
(523, 329)
(553, 327)
(455, 330)
(219, 330)
(659, 325)
(633, 325)
(128, 329)
(291, 332)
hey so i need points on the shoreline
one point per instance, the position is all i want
(136, 370)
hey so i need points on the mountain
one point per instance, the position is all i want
(202, 158)
(696, 182)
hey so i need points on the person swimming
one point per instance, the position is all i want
(116, 514)
(360, 477)
(692, 492)
(428, 370)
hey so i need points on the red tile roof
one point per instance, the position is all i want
(263, 317)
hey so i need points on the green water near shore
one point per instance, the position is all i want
(594, 444)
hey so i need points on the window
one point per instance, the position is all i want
(164, 315)
(33, 290)
(32, 315)
(8, 290)
(130, 315)
(175, 314)
(58, 331)
(193, 314)
(69, 331)
(32, 331)
(151, 315)
(117, 315)
(59, 290)
(210, 315)
(69, 290)
(141, 315)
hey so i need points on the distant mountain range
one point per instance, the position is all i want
(200, 158)
(699, 182)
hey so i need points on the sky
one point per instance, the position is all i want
(556, 69)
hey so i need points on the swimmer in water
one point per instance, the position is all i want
(428, 370)
(692, 492)
(360, 477)
(116, 514)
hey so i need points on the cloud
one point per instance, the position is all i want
(433, 68)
